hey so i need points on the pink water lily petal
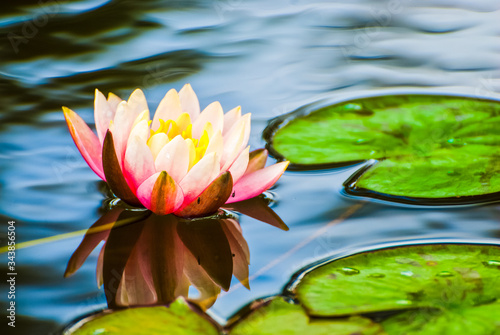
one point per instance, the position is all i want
(160, 193)
(168, 109)
(232, 144)
(239, 166)
(121, 127)
(230, 119)
(189, 101)
(137, 102)
(257, 160)
(103, 114)
(214, 114)
(174, 158)
(86, 141)
(139, 164)
(113, 101)
(199, 177)
(255, 183)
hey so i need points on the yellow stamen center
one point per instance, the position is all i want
(183, 126)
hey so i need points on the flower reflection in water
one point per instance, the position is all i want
(148, 259)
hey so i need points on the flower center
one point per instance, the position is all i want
(184, 127)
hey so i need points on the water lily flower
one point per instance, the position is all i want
(184, 161)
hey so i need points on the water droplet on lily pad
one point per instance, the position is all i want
(403, 302)
(456, 141)
(358, 109)
(407, 273)
(492, 264)
(353, 107)
(445, 274)
(349, 271)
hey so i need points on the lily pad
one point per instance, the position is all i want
(422, 149)
(427, 288)
(279, 317)
(178, 318)
(476, 320)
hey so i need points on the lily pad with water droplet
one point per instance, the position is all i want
(425, 288)
(422, 149)
(279, 317)
(178, 318)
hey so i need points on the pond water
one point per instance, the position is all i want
(270, 57)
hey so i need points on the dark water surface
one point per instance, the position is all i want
(270, 57)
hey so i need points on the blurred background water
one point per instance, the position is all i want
(270, 57)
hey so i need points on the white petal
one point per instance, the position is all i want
(213, 114)
(113, 101)
(230, 119)
(137, 102)
(189, 101)
(216, 144)
(200, 176)
(103, 114)
(174, 158)
(157, 142)
(140, 130)
(239, 166)
(168, 109)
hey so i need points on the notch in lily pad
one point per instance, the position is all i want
(416, 289)
(418, 149)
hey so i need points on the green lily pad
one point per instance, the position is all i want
(422, 149)
(178, 318)
(279, 317)
(433, 286)
(477, 320)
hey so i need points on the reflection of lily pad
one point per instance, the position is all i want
(279, 317)
(178, 318)
(428, 147)
(429, 287)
